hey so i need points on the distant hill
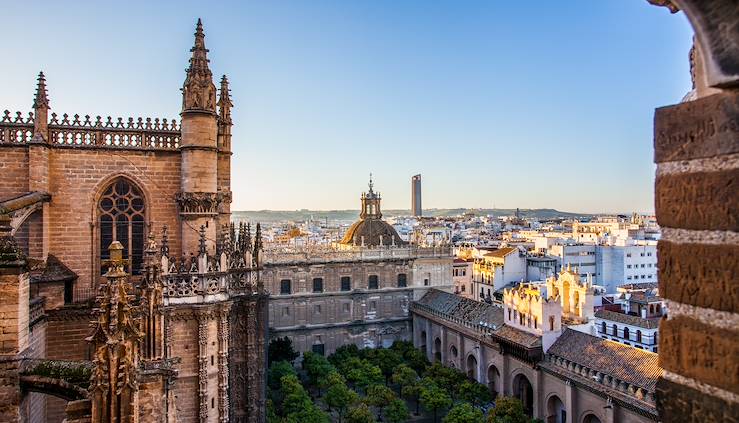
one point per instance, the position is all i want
(352, 215)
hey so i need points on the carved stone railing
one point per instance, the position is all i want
(329, 254)
(214, 286)
(206, 278)
(146, 134)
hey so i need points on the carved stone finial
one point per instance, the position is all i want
(202, 249)
(41, 100)
(224, 102)
(165, 242)
(198, 91)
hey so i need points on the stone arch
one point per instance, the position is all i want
(422, 346)
(524, 391)
(51, 386)
(471, 364)
(437, 349)
(590, 417)
(494, 380)
(556, 411)
(716, 30)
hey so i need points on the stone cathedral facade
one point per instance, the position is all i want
(127, 295)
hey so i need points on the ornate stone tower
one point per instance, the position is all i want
(199, 199)
(114, 384)
(224, 157)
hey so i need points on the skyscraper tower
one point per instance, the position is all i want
(416, 196)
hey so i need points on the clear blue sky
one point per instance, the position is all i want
(512, 104)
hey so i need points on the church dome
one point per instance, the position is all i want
(373, 232)
(370, 230)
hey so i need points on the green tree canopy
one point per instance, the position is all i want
(508, 410)
(463, 412)
(281, 349)
(396, 411)
(365, 375)
(317, 367)
(475, 393)
(295, 397)
(379, 395)
(412, 391)
(404, 376)
(276, 371)
(340, 397)
(434, 399)
(360, 414)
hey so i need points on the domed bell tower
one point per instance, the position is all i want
(370, 203)
(199, 200)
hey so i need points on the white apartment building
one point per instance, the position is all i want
(635, 331)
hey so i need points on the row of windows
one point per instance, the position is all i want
(459, 272)
(626, 334)
(637, 277)
(628, 266)
(526, 320)
(373, 282)
(345, 308)
(647, 254)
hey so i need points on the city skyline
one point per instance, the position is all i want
(458, 94)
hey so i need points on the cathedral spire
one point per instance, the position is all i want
(224, 102)
(41, 100)
(199, 92)
(41, 111)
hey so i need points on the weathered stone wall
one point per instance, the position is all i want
(13, 171)
(697, 154)
(76, 177)
(361, 316)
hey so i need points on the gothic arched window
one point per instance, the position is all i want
(121, 218)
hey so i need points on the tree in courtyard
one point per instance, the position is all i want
(281, 349)
(387, 360)
(342, 354)
(379, 396)
(404, 376)
(295, 398)
(360, 414)
(475, 393)
(450, 379)
(508, 410)
(297, 406)
(416, 359)
(316, 366)
(365, 375)
(434, 399)
(463, 412)
(339, 397)
(412, 391)
(276, 371)
(396, 411)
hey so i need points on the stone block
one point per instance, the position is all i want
(706, 127)
(679, 403)
(702, 275)
(700, 200)
(700, 351)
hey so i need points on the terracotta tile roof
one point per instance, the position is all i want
(501, 252)
(518, 336)
(628, 319)
(633, 365)
(468, 310)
